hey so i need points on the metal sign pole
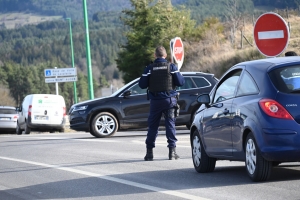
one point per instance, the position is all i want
(56, 84)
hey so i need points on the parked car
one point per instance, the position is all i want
(8, 119)
(41, 112)
(128, 108)
(251, 115)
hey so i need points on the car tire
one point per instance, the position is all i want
(62, 130)
(202, 162)
(18, 129)
(104, 125)
(27, 129)
(257, 167)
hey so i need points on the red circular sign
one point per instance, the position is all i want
(178, 50)
(271, 34)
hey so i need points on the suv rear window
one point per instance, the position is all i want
(7, 111)
(286, 79)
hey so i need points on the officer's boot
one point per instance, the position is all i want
(149, 155)
(172, 154)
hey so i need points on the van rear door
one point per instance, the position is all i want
(47, 109)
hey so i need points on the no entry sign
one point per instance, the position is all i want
(271, 34)
(177, 51)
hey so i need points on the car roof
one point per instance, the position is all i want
(7, 107)
(271, 62)
(196, 73)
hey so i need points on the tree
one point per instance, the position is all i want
(150, 24)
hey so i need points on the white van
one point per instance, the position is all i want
(41, 112)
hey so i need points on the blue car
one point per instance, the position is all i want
(252, 115)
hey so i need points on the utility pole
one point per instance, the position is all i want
(88, 51)
(72, 55)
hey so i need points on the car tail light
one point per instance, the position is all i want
(16, 117)
(29, 110)
(64, 111)
(274, 109)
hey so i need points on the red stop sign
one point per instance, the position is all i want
(271, 34)
(178, 52)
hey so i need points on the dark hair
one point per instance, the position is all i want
(290, 53)
(160, 52)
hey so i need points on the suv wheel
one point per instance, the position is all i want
(18, 129)
(202, 162)
(104, 125)
(257, 167)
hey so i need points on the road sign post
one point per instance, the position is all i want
(271, 34)
(177, 51)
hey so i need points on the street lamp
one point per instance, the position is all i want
(72, 55)
(88, 51)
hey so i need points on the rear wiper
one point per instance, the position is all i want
(295, 91)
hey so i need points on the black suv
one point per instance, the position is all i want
(128, 108)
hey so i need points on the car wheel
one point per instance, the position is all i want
(202, 162)
(257, 167)
(27, 129)
(104, 125)
(62, 130)
(18, 129)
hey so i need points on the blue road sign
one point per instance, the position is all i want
(48, 73)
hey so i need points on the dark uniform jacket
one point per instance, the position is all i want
(177, 77)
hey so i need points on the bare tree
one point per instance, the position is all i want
(233, 17)
(5, 97)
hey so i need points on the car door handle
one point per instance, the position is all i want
(226, 111)
(196, 94)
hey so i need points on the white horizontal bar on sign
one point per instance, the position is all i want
(60, 72)
(267, 35)
(62, 79)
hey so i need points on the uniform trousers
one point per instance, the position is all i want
(158, 108)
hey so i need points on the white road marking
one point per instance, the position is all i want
(109, 178)
(267, 35)
(161, 143)
(66, 138)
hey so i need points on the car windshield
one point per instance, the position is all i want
(7, 111)
(286, 79)
(122, 88)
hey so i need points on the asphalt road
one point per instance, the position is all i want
(78, 166)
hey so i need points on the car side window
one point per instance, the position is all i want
(187, 85)
(201, 82)
(247, 85)
(136, 90)
(227, 88)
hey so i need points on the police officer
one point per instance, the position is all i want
(161, 78)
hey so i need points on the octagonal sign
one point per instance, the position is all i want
(177, 51)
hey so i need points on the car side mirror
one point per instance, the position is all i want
(18, 109)
(203, 99)
(127, 93)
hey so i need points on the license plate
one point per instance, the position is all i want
(5, 118)
(38, 117)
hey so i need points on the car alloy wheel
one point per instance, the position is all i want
(257, 167)
(202, 162)
(104, 125)
(250, 156)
